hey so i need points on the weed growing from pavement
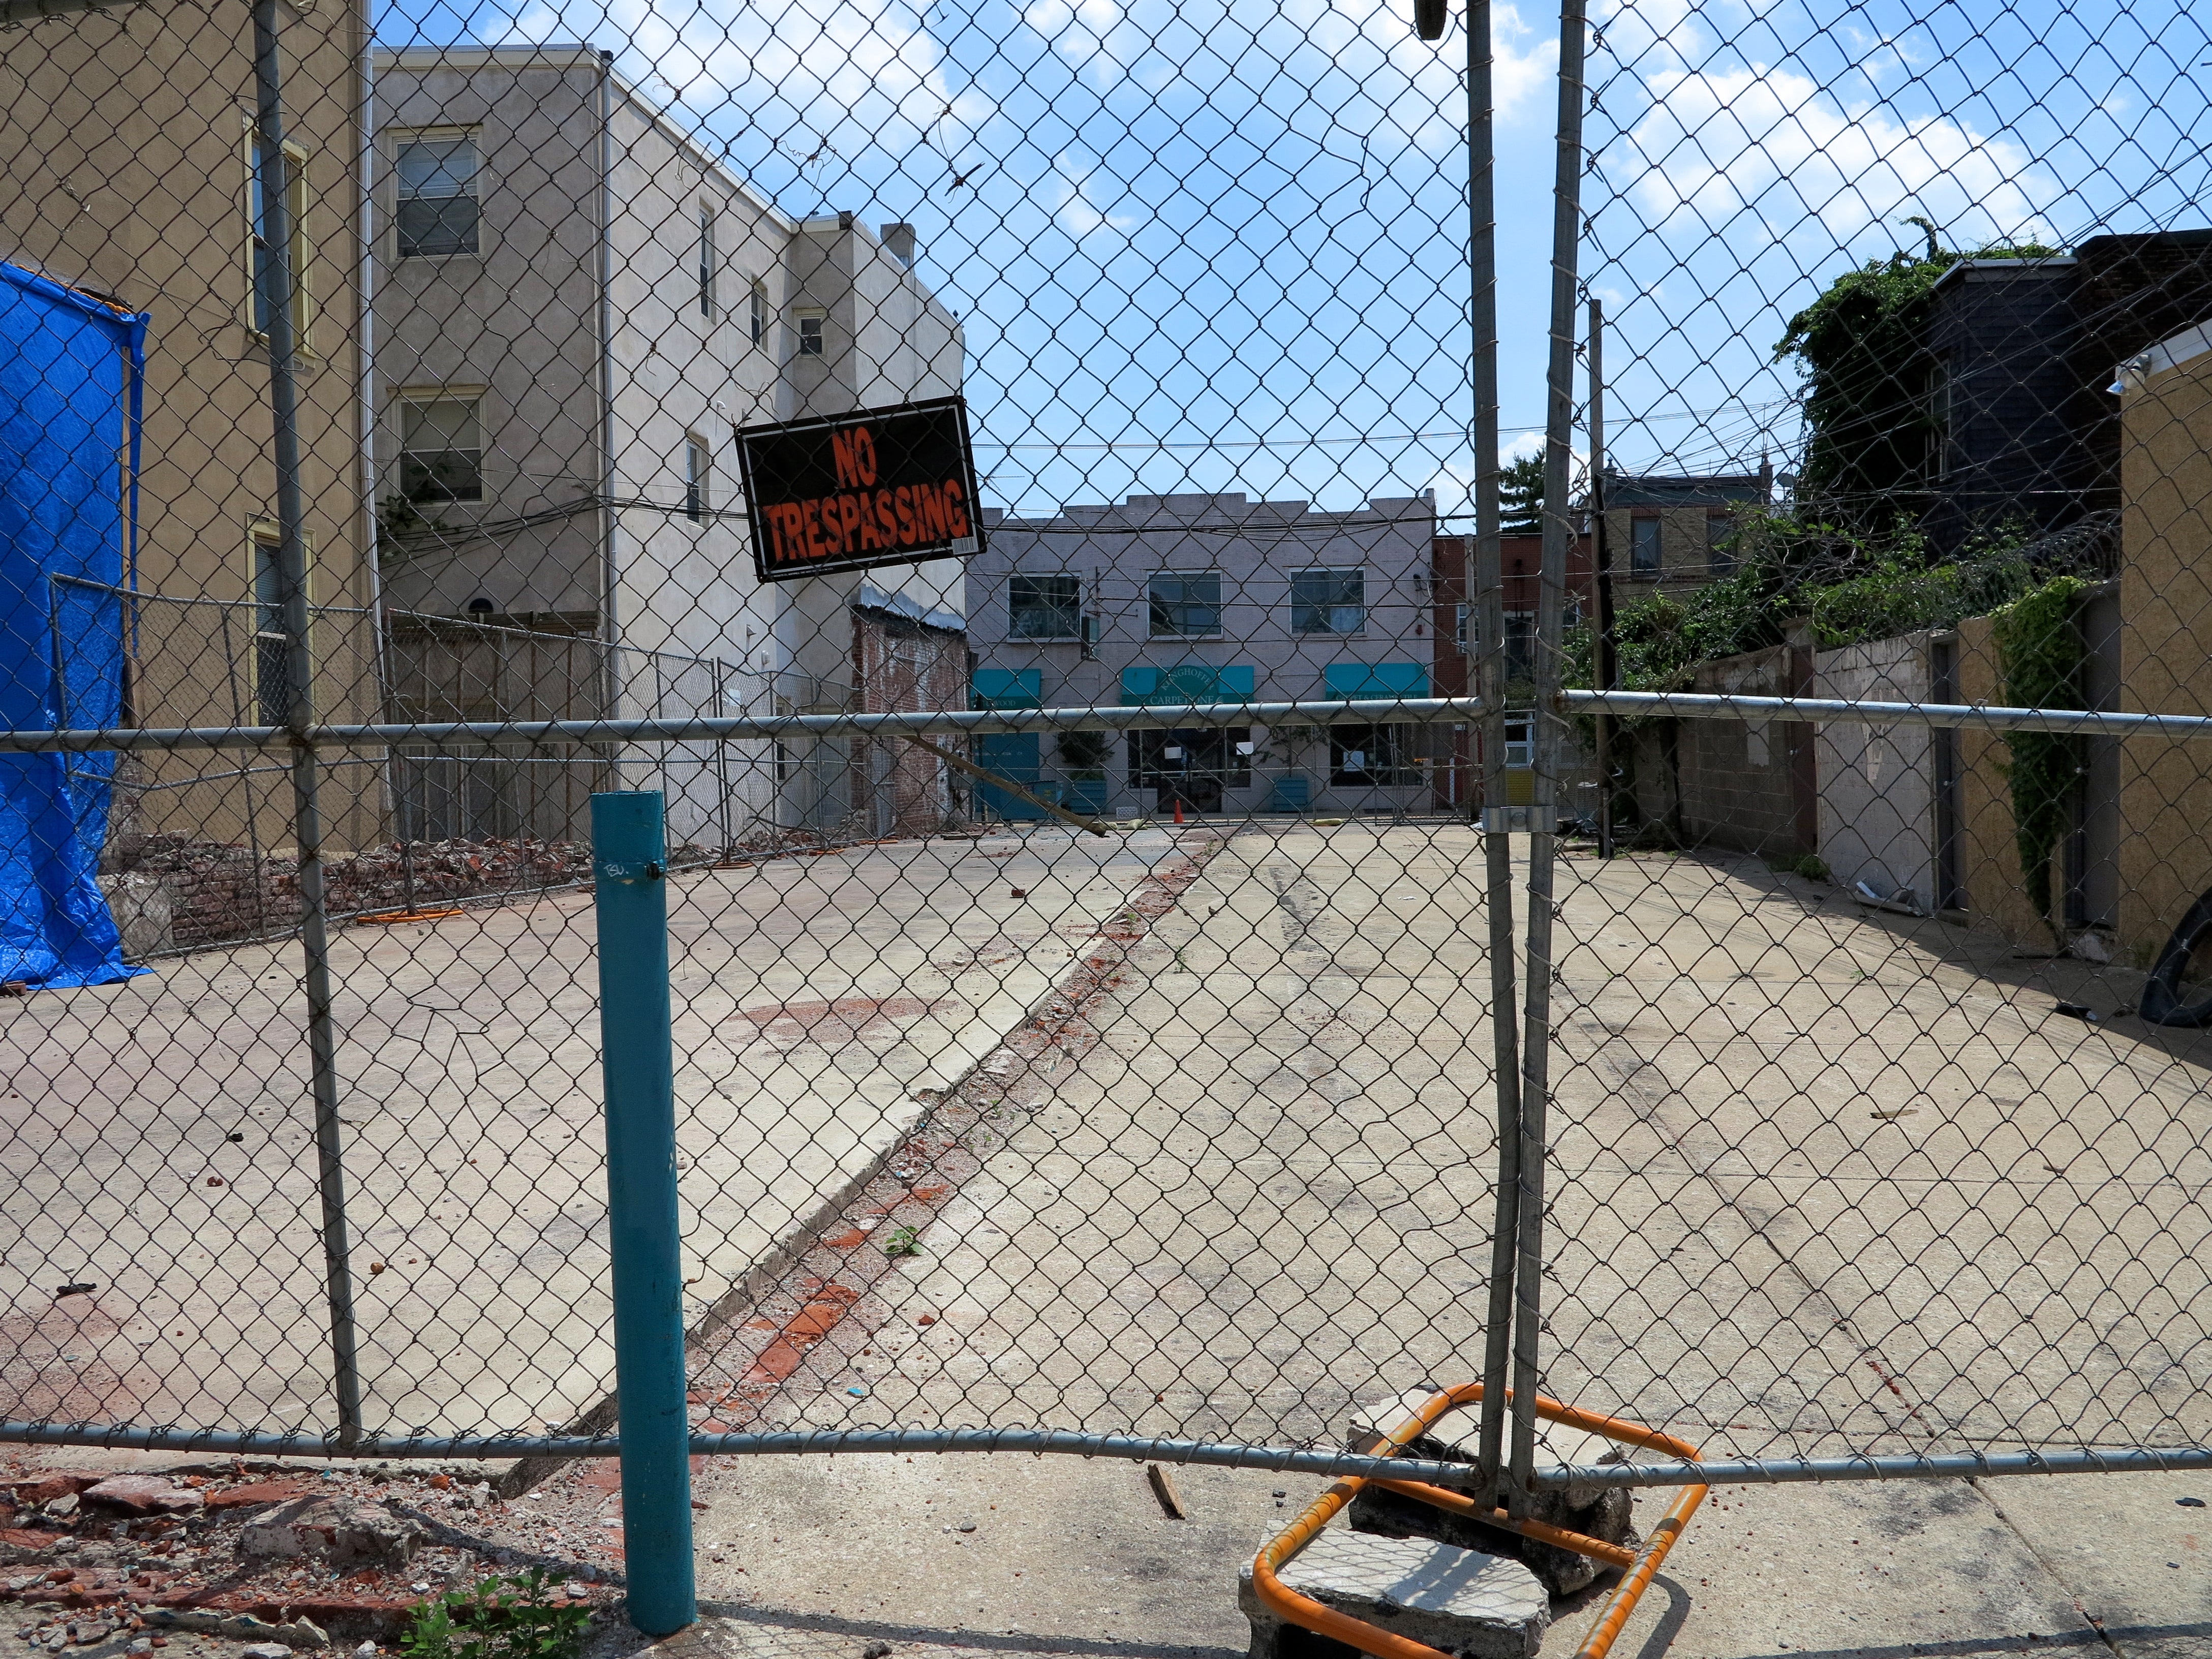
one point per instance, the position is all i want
(904, 1240)
(507, 1618)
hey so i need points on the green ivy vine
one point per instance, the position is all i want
(2040, 653)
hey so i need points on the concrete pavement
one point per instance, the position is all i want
(158, 1139)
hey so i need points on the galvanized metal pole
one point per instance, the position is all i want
(279, 284)
(1549, 730)
(629, 867)
(1602, 666)
(1485, 593)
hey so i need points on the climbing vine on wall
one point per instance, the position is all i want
(2040, 652)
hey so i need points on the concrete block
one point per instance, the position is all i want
(143, 911)
(1462, 1602)
(1599, 1512)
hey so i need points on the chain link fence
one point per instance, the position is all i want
(1341, 697)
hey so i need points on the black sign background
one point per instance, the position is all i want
(875, 487)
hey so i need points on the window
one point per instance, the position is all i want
(1520, 645)
(757, 321)
(271, 663)
(1720, 544)
(1328, 601)
(264, 273)
(1520, 741)
(1461, 636)
(1939, 420)
(1371, 756)
(1195, 766)
(1643, 546)
(696, 462)
(437, 196)
(811, 326)
(1045, 607)
(706, 260)
(440, 450)
(1186, 605)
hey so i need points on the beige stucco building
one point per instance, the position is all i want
(129, 175)
(2165, 600)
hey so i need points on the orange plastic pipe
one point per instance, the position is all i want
(1643, 1565)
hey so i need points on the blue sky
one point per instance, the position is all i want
(1200, 247)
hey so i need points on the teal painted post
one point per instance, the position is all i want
(629, 867)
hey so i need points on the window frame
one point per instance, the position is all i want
(409, 399)
(1637, 569)
(1157, 607)
(801, 317)
(297, 158)
(263, 537)
(709, 265)
(698, 477)
(1311, 609)
(756, 320)
(468, 134)
(1070, 608)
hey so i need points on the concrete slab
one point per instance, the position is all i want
(1459, 1601)
(156, 1138)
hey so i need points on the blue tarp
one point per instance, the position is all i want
(71, 369)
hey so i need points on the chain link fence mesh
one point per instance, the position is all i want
(1878, 1126)
(1097, 942)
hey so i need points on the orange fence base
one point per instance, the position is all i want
(1642, 1565)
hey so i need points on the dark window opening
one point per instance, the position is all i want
(1643, 547)
(1045, 607)
(1328, 601)
(1371, 756)
(1184, 606)
(437, 196)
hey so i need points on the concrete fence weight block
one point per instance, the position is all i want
(143, 911)
(1462, 1602)
(1599, 1512)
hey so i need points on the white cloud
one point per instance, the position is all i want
(1416, 85)
(1077, 208)
(1644, 35)
(829, 77)
(1092, 34)
(1776, 145)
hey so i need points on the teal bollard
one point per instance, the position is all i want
(631, 893)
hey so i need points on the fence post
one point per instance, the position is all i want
(630, 891)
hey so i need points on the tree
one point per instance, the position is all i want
(1871, 384)
(1521, 497)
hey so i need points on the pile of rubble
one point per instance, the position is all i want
(294, 1563)
(216, 892)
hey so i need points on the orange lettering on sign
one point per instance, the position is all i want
(854, 455)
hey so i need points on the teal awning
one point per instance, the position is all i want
(1372, 681)
(1008, 687)
(1153, 688)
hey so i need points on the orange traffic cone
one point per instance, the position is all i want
(1178, 809)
